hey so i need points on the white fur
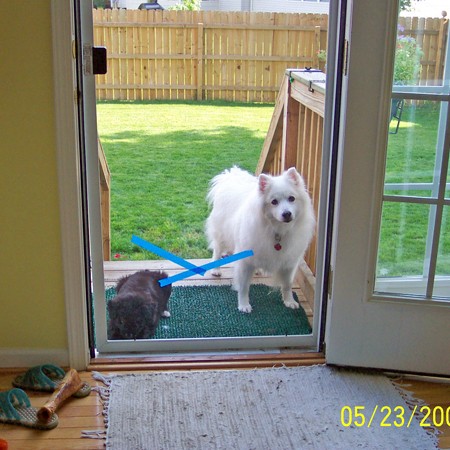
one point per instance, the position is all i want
(253, 213)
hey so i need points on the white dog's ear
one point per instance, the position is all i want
(295, 177)
(263, 182)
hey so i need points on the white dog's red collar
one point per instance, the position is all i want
(277, 245)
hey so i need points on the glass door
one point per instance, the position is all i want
(390, 302)
(413, 255)
(270, 340)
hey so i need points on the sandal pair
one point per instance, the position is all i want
(46, 378)
(15, 406)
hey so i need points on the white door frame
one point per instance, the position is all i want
(362, 330)
(69, 154)
(307, 342)
(68, 162)
(71, 211)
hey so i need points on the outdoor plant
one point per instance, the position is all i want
(187, 5)
(322, 58)
(407, 60)
(322, 55)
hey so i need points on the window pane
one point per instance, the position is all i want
(411, 151)
(402, 247)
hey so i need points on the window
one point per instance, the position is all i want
(414, 244)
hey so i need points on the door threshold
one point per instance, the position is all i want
(206, 361)
(183, 355)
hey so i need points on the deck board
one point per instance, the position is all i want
(114, 270)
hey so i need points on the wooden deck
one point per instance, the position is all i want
(116, 269)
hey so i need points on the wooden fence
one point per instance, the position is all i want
(237, 56)
(431, 35)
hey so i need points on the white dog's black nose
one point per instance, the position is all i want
(287, 216)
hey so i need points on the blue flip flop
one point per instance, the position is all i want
(16, 409)
(46, 378)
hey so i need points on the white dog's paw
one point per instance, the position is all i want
(165, 314)
(245, 308)
(291, 304)
(216, 272)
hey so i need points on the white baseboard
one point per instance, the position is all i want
(29, 357)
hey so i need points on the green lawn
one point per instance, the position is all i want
(162, 156)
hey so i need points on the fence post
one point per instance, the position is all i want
(290, 131)
(200, 61)
(440, 55)
(315, 56)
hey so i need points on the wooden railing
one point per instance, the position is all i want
(105, 201)
(295, 133)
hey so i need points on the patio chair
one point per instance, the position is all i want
(396, 113)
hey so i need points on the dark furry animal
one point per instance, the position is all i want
(140, 301)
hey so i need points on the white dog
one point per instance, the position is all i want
(273, 216)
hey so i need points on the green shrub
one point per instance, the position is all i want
(187, 5)
(407, 60)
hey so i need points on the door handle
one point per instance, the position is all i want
(99, 60)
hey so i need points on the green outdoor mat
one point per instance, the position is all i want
(211, 311)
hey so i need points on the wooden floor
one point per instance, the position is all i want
(86, 414)
(74, 416)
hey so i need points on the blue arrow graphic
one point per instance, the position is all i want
(206, 267)
(167, 255)
(192, 268)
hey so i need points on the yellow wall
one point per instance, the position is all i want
(32, 313)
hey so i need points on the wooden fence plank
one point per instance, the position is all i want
(251, 64)
(200, 52)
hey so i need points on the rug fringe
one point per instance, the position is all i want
(414, 402)
(93, 434)
(106, 380)
(104, 394)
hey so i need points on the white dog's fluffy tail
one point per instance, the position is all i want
(231, 183)
(229, 191)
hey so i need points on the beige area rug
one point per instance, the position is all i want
(261, 409)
